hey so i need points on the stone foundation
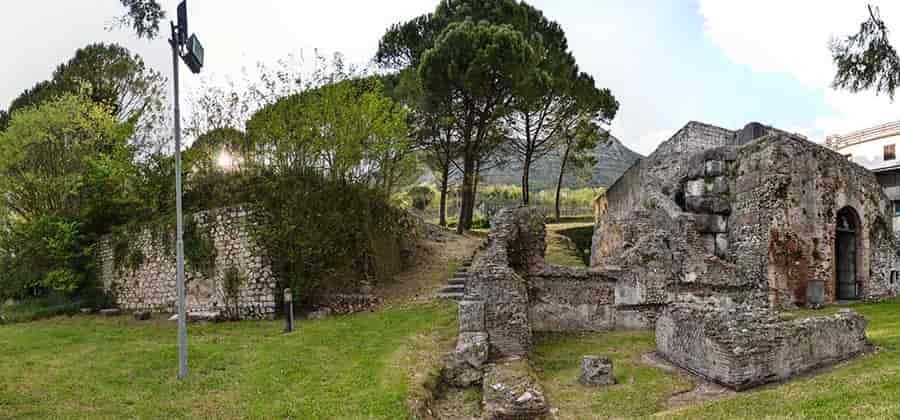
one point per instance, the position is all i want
(239, 285)
(743, 348)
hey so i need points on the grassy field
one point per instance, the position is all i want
(642, 389)
(865, 388)
(565, 234)
(351, 367)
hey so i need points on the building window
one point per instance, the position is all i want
(896, 208)
(890, 152)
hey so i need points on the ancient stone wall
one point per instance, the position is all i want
(562, 299)
(731, 220)
(625, 194)
(512, 292)
(748, 347)
(238, 283)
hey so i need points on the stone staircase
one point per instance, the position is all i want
(456, 285)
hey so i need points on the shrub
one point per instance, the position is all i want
(421, 196)
(47, 254)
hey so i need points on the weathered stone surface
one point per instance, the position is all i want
(471, 316)
(767, 213)
(711, 223)
(715, 168)
(151, 285)
(511, 391)
(715, 204)
(110, 312)
(204, 316)
(596, 370)
(746, 347)
(815, 294)
(320, 313)
(472, 348)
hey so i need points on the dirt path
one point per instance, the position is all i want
(438, 258)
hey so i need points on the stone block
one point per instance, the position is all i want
(472, 348)
(695, 188)
(745, 347)
(471, 316)
(204, 316)
(110, 312)
(715, 204)
(719, 185)
(629, 293)
(715, 168)
(512, 391)
(815, 294)
(711, 223)
(721, 250)
(596, 370)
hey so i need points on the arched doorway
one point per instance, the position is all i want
(845, 255)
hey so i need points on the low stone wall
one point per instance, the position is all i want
(562, 299)
(238, 284)
(745, 348)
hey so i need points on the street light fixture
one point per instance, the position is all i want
(191, 51)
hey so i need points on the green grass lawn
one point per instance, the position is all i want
(865, 388)
(642, 389)
(353, 367)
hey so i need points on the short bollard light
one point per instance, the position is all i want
(288, 311)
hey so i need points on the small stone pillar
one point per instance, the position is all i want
(596, 370)
(815, 294)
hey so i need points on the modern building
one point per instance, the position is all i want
(875, 149)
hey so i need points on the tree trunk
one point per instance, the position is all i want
(445, 175)
(562, 171)
(467, 193)
(475, 188)
(526, 171)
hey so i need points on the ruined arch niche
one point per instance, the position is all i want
(847, 255)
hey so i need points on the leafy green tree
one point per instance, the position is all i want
(348, 130)
(143, 16)
(67, 158)
(867, 59)
(66, 175)
(217, 150)
(110, 74)
(529, 120)
(582, 133)
(474, 67)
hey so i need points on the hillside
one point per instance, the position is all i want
(613, 158)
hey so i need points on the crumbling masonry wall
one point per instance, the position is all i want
(748, 216)
(239, 284)
(749, 347)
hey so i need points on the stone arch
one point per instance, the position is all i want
(848, 247)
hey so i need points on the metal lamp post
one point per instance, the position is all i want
(190, 50)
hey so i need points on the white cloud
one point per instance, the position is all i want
(792, 37)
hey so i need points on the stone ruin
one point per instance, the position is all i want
(240, 283)
(744, 348)
(706, 241)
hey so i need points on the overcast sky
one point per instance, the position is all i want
(668, 62)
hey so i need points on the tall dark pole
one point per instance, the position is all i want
(179, 223)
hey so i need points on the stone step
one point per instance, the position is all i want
(453, 288)
(451, 296)
(456, 281)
